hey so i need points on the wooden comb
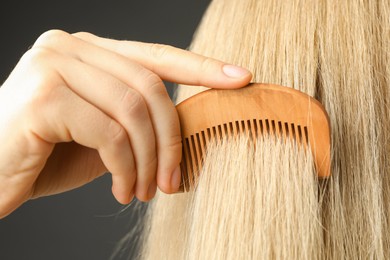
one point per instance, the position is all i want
(257, 109)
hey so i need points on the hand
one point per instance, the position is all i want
(77, 105)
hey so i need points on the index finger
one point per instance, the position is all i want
(174, 64)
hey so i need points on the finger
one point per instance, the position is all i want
(127, 107)
(162, 111)
(169, 63)
(163, 116)
(176, 65)
(65, 117)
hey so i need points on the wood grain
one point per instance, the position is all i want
(255, 110)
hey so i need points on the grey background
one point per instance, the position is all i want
(84, 223)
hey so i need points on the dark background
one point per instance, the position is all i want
(85, 223)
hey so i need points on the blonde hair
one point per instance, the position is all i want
(266, 202)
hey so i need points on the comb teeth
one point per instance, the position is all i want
(255, 111)
(195, 146)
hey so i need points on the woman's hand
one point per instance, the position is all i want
(78, 105)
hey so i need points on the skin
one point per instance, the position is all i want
(77, 106)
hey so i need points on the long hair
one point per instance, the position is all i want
(263, 200)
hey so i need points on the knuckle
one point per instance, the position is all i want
(43, 78)
(38, 61)
(206, 64)
(158, 50)
(37, 56)
(153, 85)
(172, 144)
(51, 38)
(82, 35)
(149, 169)
(175, 143)
(132, 103)
(116, 134)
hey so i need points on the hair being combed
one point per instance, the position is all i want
(240, 219)
(267, 202)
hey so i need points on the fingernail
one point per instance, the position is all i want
(234, 71)
(176, 178)
(152, 189)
